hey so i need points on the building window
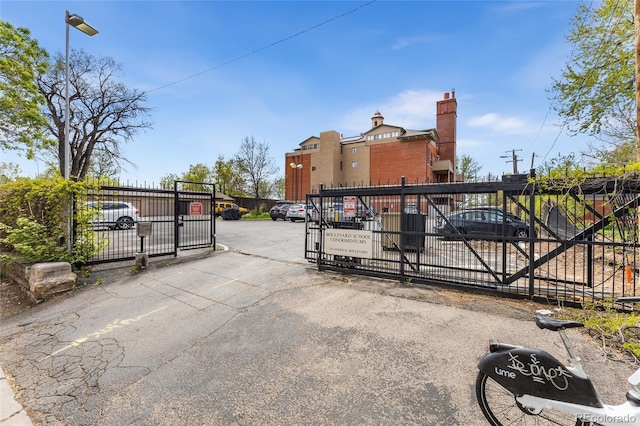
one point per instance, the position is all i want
(395, 134)
(354, 150)
(354, 164)
(307, 147)
(313, 168)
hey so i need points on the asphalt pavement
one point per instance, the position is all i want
(255, 335)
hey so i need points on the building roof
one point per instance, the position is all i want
(379, 128)
(309, 139)
(352, 139)
(419, 134)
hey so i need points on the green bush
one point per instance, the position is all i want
(29, 242)
(33, 221)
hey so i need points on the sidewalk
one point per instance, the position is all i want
(11, 413)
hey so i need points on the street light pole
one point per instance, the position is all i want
(77, 22)
(295, 167)
(298, 167)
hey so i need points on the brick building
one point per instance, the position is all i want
(379, 156)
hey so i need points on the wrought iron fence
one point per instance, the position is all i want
(128, 220)
(519, 238)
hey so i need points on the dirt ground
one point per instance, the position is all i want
(13, 299)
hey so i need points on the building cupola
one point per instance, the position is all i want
(377, 119)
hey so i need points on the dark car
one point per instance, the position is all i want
(479, 222)
(279, 210)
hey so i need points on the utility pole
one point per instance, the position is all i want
(514, 156)
(533, 157)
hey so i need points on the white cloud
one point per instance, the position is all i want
(411, 109)
(500, 124)
(470, 143)
(402, 42)
(515, 7)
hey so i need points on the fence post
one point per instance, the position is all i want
(504, 242)
(402, 226)
(321, 222)
(532, 245)
(176, 212)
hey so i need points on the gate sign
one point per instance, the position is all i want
(195, 209)
(349, 206)
(349, 242)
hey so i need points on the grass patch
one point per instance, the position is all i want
(617, 331)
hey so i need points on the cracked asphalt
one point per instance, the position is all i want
(257, 336)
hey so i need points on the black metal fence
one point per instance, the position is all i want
(128, 220)
(523, 238)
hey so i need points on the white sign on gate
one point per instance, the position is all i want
(349, 206)
(349, 242)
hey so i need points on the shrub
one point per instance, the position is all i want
(33, 221)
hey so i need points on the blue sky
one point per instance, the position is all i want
(208, 91)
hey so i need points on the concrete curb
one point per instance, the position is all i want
(11, 412)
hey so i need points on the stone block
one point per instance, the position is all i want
(46, 279)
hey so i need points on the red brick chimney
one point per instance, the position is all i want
(446, 119)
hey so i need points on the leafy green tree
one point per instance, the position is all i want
(9, 172)
(22, 126)
(559, 167)
(198, 173)
(227, 177)
(468, 168)
(167, 181)
(277, 188)
(104, 113)
(256, 166)
(596, 94)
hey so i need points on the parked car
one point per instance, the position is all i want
(222, 205)
(494, 209)
(411, 209)
(279, 210)
(302, 212)
(114, 214)
(335, 213)
(481, 222)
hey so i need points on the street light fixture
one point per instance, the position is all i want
(77, 22)
(296, 167)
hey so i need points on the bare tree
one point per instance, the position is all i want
(104, 113)
(256, 166)
(103, 165)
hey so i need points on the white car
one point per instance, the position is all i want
(114, 214)
(301, 212)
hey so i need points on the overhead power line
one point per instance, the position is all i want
(260, 49)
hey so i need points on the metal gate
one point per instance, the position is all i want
(159, 222)
(194, 219)
(572, 244)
